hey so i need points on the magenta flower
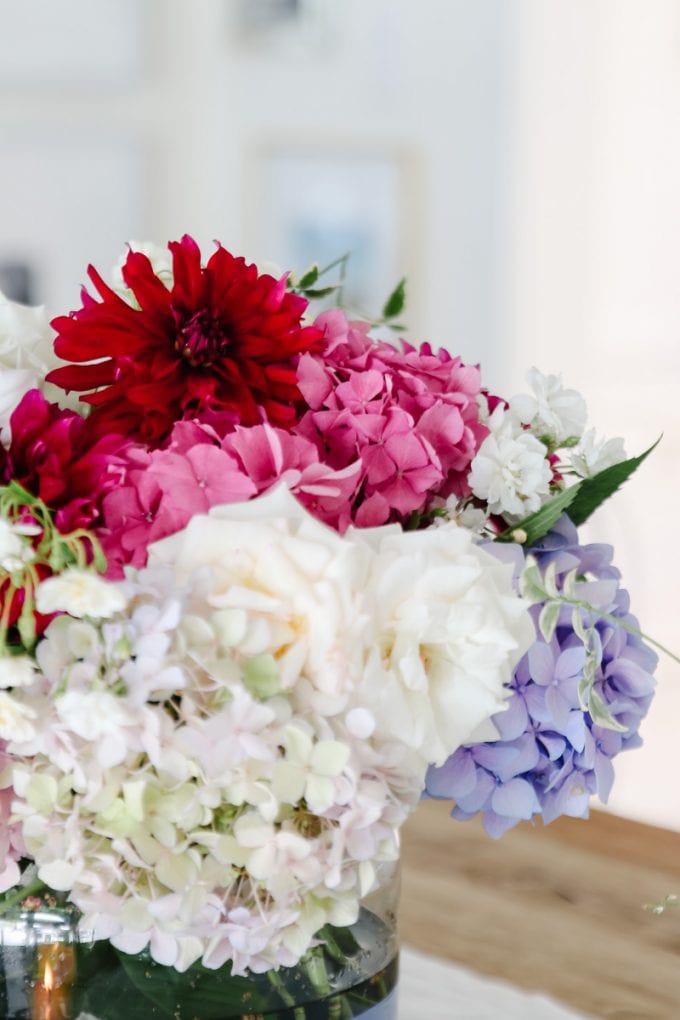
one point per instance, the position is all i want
(409, 415)
(163, 489)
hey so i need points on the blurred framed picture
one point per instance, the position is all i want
(317, 206)
(17, 280)
(284, 26)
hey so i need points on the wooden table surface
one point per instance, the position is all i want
(558, 908)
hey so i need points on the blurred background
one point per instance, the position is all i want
(519, 162)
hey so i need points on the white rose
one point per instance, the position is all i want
(80, 593)
(292, 583)
(551, 410)
(510, 470)
(450, 630)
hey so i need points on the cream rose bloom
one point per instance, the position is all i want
(449, 630)
(283, 585)
(420, 629)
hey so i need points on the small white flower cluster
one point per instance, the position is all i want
(16, 549)
(219, 769)
(512, 471)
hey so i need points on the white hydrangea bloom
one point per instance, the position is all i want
(510, 470)
(16, 671)
(80, 593)
(594, 454)
(15, 719)
(551, 410)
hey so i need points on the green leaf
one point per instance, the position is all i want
(396, 301)
(568, 583)
(547, 620)
(319, 292)
(309, 278)
(579, 627)
(103, 989)
(592, 492)
(601, 716)
(210, 994)
(550, 579)
(536, 525)
(531, 582)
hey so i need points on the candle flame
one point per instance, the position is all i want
(48, 976)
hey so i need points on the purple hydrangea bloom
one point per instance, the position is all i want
(551, 757)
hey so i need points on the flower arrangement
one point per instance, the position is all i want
(265, 581)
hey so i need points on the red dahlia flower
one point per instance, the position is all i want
(221, 337)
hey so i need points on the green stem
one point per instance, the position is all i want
(616, 621)
(340, 261)
(287, 999)
(317, 974)
(6, 610)
(21, 893)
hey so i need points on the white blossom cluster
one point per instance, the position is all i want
(512, 471)
(213, 757)
(26, 356)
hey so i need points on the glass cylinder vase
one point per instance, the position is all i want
(50, 970)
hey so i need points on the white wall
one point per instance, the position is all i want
(591, 287)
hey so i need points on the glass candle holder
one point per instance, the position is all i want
(37, 962)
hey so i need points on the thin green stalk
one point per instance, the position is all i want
(278, 985)
(340, 261)
(616, 621)
(317, 974)
(20, 894)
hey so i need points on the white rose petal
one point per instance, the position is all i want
(451, 630)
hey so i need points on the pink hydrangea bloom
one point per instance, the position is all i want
(409, 415)
(163, 489)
